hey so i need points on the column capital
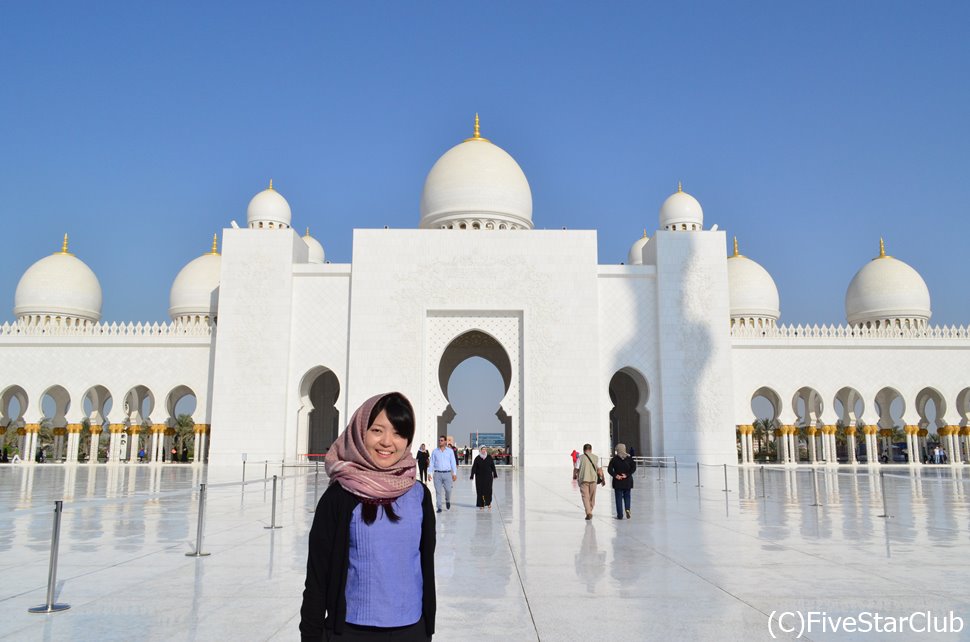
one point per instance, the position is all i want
(32, 427)
(159, 428)
(116, 428)
(200, 428)
(812, 430)
(910, 429)
(849, 430)
(74, 428)
(922, 432)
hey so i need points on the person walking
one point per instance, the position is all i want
(370, 560)
(588, 473)
(424, 458)
(621, 469)
(444, 471)
(483, 472)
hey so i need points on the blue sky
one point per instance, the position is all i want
(808, 130)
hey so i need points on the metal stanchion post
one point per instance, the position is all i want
(244, 472)
(273, 523)
(659, 465)
(885, 508)
(198, 529)
(764, 490)
(726, 490)
(815, 486)
(50, 606)
(675, 471)
(698, 485)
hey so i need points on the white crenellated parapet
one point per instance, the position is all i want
(123, 330)
(848, 332)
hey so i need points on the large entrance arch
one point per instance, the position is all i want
(319, 392)
(629, 417)
(495, 336)
(474, 343)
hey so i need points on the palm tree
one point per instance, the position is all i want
(763, 432)
(184, 427)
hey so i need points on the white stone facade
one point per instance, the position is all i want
(665, 354)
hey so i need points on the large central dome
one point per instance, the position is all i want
(476, 185)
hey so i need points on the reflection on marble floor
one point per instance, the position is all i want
(693, 563)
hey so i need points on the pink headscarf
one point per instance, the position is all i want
(349, 464)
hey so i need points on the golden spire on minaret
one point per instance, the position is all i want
(271, 183)
(477, 133)
(735, 247)
(882, 248)
(680, 186)
(64, 247)
(215, 244)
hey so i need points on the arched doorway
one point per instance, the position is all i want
(13, 403)
(320, 390)
(476, 343)
(629, 417)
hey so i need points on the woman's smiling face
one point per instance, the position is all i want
(382, 442)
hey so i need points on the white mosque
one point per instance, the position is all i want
(671, 353)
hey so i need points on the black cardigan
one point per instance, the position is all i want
(324, 601)
(625, 466)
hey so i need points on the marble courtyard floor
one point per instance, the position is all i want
(693, 563)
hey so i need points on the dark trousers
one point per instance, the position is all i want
(423, 470)
(622, 496)
(353, 633)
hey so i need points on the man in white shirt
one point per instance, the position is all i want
(444, 469)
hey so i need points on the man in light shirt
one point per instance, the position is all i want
(444, 468)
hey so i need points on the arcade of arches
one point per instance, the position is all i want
(926, 428)
(104, 433)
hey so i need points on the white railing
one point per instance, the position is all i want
(849, 332)
(173, 329)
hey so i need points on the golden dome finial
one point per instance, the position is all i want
(271, 183)
(882, 248)
(680, 186)
(477, 132)
(215, 244)
(64, 247)
(736, 246)
(307, 235)
(644, 232)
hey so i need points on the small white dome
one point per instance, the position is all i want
(887, 290)
(268, 210)
(635, 257)
(476, 185)
(60, 285)
(315, 254)
(681, 211)
(195, 291)
(752, 292)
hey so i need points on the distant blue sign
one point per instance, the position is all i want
(489, 439)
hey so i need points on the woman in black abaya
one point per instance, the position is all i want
(483, 472)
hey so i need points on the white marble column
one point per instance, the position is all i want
(94, 445)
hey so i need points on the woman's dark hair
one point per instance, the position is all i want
(401, 415)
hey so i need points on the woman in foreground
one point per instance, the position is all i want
(370, 565)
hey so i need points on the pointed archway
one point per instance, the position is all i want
(474, 343)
